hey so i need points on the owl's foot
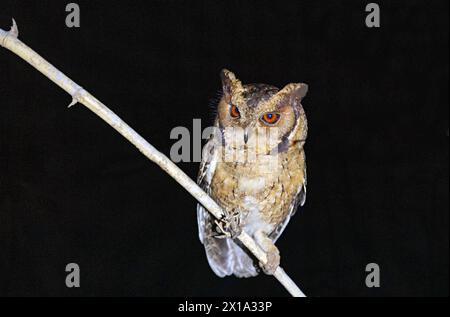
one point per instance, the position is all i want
(273, 254)
(229, 226)
(273, 261)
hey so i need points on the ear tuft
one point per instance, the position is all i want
(227, 75)
(301, 90)
(229, 81)
(294, 91)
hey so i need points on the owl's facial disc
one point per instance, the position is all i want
(257, 110)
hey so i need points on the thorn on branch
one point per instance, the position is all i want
(73, 103)
(14, 31)
(76, 96)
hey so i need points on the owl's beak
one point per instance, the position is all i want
(245, 136)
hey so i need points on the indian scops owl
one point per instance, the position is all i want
(258, 184)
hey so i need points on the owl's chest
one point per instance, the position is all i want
(261, 191)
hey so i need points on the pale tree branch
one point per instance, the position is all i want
(10, 41)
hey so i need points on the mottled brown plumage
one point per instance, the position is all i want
(262, 183)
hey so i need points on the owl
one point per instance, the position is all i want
(254, 168)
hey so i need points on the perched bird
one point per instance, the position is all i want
(254, 168)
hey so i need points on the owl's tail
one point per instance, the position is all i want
(225, 256)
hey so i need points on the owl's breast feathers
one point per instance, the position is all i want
(265, 193)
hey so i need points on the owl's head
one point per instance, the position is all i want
(257, 109)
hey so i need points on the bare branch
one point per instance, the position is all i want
(10, 41)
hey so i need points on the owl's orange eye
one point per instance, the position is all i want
(234, 112)
(270, 118)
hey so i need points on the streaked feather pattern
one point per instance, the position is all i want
(264, 194)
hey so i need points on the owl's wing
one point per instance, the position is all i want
(299, 200)
(205, 174)
(225, 256)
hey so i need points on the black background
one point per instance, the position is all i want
(73, 190)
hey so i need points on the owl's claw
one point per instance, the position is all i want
(229, 226)
(273, 261)
(273, 254)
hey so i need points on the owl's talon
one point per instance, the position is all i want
(273, 262)
(222, 233)
(228, 226)
(272, 252)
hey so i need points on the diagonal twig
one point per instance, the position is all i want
(10, 41)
